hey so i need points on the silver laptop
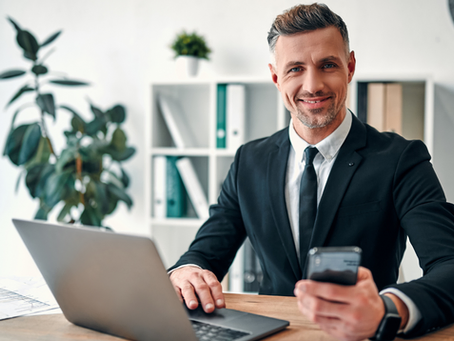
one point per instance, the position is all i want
(116, 283)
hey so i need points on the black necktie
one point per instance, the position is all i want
(308, 203)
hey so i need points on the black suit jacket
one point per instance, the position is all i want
(381, 189)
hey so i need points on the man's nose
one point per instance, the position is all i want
(313, 82)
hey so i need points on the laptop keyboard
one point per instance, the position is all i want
(209, 332)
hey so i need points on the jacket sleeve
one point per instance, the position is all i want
(220, 237)
(429, 222)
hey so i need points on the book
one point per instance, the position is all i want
(176, 122)
(393, 108)
(384, 106)
(376, 99)
(235, 115)
(221, 116)
(175, 193)
(159, 184)
(193, 187)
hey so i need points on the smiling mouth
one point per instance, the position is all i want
(314, 101)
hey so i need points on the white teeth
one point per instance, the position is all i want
(312, 101)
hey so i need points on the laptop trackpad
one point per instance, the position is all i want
(219, 316)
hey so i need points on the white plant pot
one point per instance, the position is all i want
(187, 66)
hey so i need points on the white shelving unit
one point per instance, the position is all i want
(265, 114)
(417, 123)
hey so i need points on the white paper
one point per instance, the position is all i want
(24, 296)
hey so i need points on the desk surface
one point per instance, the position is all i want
(56, 327)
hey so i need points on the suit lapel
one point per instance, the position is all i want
(346, 164)
(277, 168)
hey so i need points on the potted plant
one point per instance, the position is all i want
(85, 177)
(189, 48)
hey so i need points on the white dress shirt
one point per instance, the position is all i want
(323, 163)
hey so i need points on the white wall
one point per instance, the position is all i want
(121, 46)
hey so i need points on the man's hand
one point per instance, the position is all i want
(191, 282)
(345, 312)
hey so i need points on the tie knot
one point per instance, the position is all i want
(310, 153)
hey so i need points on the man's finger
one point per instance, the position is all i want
(203, 291)
(216, 289)
(327, 291)
(189, 296)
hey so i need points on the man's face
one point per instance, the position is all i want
(312, 71)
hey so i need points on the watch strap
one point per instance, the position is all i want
(390, 324)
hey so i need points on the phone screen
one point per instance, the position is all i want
(334, 264)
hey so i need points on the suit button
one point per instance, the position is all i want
(350, 164)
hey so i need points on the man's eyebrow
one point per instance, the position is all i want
(329, 59)
(293, 63)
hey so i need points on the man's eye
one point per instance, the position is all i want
(329, 66)
(295, 69)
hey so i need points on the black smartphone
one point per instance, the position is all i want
(337, 265)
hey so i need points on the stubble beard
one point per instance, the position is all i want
(316, 120)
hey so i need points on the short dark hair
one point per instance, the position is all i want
(303, 18)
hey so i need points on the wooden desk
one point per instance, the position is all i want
(55, 327)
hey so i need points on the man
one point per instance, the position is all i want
(373, 190)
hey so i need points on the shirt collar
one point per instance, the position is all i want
(328, 147)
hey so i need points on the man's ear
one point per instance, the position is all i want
(351, 66)
(274, 75)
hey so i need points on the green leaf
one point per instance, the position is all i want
(101, 197)
(56, 190)
(118, 141)
(67, 156)
(121, 156)
(124, 178)
(39, 70)
(33, 178)
(42, 214)
(120, 194)
(30, 143)
(111, 177)
(117, 114)
(14, 142)
(51, 39)
(46, 104)
(96, 111)
(92, 128)
(68, 82)
(113, 202)
(28, 43)
(37, 177)
(21, 91)
(64, 212)
(42, 154)
(77, 123)
(16, 26)
(90, 217)
(71, 110)
(12, 74)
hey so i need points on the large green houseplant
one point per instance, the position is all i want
(86, 176)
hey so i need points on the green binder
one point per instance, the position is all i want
(220, 116)
(175, 191)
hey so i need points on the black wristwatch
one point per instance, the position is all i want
(390, 324)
